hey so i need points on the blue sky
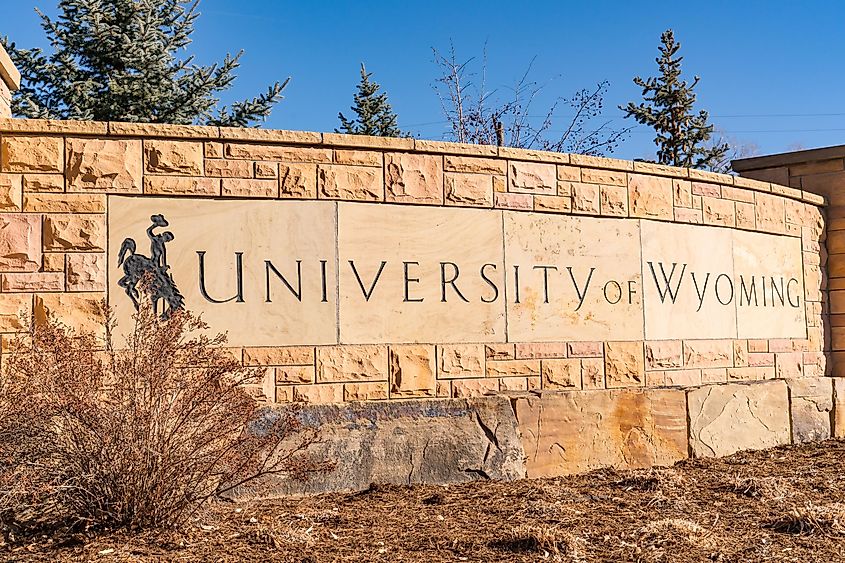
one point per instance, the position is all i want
(772, 73)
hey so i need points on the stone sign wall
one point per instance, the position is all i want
(356, 268)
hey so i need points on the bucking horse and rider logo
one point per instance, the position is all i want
(150, 274)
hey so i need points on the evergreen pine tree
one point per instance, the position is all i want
(374, 115)
(682, 136)
(117, 60)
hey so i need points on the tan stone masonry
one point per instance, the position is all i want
(56, 179)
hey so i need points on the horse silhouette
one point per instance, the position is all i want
(150, 273)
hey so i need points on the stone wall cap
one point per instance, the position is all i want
(8, 72)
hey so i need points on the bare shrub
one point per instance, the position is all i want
(137, 435)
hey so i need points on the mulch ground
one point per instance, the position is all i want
(783, 504)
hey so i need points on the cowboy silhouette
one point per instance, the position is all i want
(152, 271)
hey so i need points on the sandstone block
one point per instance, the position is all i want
(110, 165)
(500, 351)
(469, 388)
(561, 374)
(789, 365)
(365, 391)
(43, 183)
(275, 152)
(213, 149)
(64, 203)
(568, 173)
(33, 281)
(266, 170)
(708, 353)
(532, 178)
(273, 356)
(606, 177)
(738, 194)
(728, 418)
(714, 375)
(706, 190)
(317, 394)
(541, 350)
(585, 198)
(298, 180)
(406, 442)
(14, 310)
(86, 272)
(513, 201)
(413, 178)
(811, 408)
(650, 197)
(473, 165)
(553, 203)
(20, 242)
(682, 377)
(173, 157)
(350, 183)
(666, 354)
(592, 373)
(412, 371)
(176, 185)
(512, 368)
(53, 262)
(575, 431)
(718, 212)
(613, 201)
(692, 216)
(585, 349)
(460, 360)
(358, 158)
(769, 213)
(513, 384)
(79, 311)
(746, 217)
(474, 190)
(351, 363)
(681, 193)
(623, 364)
(215, 168)
(24, 153)
(294, 374)
(243, 187)
(11, 190)
(74, 232)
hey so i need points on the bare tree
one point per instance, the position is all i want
(478, 115)
(737, 148)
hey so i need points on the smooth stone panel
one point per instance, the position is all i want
(779, 312)
(691, 258)
(562, 259)
(728, 418)
(262, 230)
(435, 441)
(575, 431)
(430, 288)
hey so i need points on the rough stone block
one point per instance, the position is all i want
(512, 368)
(532, 178)
(585, 349)
(43, 183)
(811, 407)
(79, 311)
(561, 374)
(681, 193)
(176, 185)
(838, 407)
(665, 354)
(74, 232)
(474, 165)
(294, 374)
(585, 198)
(173, 157)
(365, 391)
(218, 168)
(718, 212)
(473, 190)
(413, 178)
(276, 152)
(350, 183)
(575, 431)
(358, 158)
(468, 388)
(86, 272)
(11, 192)
(606, 177)
(351, 363)
(708, 353)
(460, 360)
(541, 350)
(769, 213)
(728, 418)
(33, 281)
(14, 309)
(412, 371)
(623, 364)
(244, 187)
(298, 180)
(513, 201)
(64, 203)
(110, 165)
(273, 356)
(20, 242)
(437, 441)
(24, 153)
(613, 201)
(650, 197)
(266, 170)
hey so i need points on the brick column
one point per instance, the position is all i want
(10, 80)
(820, 171)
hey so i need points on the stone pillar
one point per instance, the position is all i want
(821, 171)
(10, 80)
